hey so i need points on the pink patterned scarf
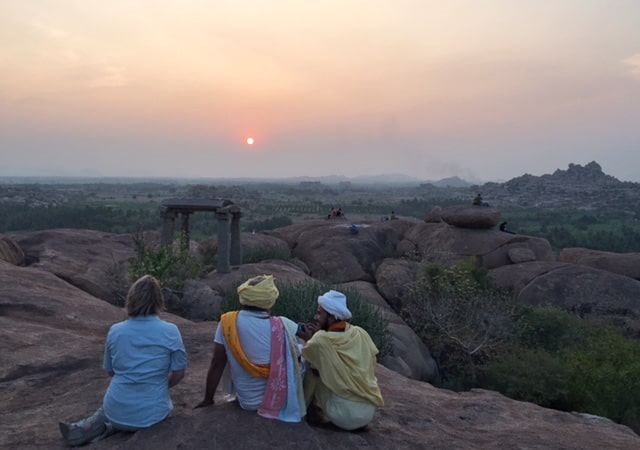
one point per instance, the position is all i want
(275, 395)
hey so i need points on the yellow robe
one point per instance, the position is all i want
(346, 361)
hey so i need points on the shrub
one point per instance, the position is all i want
(561, 361)
(171, 270)
(299, 301)
(461, 317)
(530, 374)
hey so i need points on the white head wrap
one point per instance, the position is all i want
(335, 303)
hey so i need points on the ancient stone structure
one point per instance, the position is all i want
(228, 215)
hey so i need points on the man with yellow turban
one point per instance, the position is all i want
(262, 353)
(341, 386)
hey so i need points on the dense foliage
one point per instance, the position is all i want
(614, 232)
(564, 362)
(542, 355)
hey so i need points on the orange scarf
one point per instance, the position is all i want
(338, 326)
(230, 333)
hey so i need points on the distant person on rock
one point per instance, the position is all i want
(340, 385)
(477, 200)
(262, 354)
(393, 216)
(145, 357)
(503, 227)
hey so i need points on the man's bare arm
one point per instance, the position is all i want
(218, 363)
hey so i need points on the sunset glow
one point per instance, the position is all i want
(482, 90)
(250, 141)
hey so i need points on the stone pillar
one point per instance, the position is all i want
(224, 247)
(236, 247)
(168, 218)
(186, 234)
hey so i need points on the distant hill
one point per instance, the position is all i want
(451, 182)
(586, 187)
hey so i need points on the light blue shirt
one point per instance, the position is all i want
(141, 352)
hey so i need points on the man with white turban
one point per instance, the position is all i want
(341, 386)
(262, 353)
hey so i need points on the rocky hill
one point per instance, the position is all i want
(55, 310)
(585, 187)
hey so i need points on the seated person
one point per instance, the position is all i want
(341, 386)
(477, 200)
(262, 354)
(145, 357)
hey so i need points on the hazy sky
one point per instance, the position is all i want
(482, 89)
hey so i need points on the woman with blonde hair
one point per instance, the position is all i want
(145, 357)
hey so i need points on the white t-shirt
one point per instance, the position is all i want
(254, 333)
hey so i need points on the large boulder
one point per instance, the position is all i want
(10, 251)
(255, 247)
(516, 249)
(395, 277)
(284, 272)
(334, 254)
(196, 302)
(627, 264)
(93, 261)
(51, 345)
(47, 325)
(579, 289)
(446, 245)
(470, 216)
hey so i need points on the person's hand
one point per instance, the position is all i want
(309, 330)
(204, 403)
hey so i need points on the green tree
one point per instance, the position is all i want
(462, 318)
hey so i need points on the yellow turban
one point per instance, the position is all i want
(260, 292)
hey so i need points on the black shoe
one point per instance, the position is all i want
(64, 429)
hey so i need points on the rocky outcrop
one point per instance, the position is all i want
(332, 253)
(627, 264)
(516, 249)
(256, 247)
(471, 216)
(197, 302)
(584, 187)
(580, 289)
(51, 344)
(434, 215)
(283, 271)
(91, 260)
(446, 245)
(10, 251)
(394, 277)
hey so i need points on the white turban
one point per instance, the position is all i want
(335, 303)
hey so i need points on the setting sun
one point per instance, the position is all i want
(250, 141)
